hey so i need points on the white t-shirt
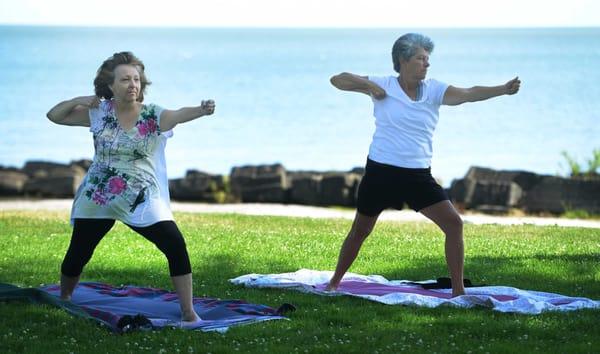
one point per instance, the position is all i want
(403, 127)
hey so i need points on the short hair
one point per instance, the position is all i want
(106, 74)
(406, 46)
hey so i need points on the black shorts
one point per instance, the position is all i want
(386, 186)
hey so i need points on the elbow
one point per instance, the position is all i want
(337, 80)
(50, 117)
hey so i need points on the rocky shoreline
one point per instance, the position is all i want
(482, 189)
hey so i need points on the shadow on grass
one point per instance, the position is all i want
(573, 275)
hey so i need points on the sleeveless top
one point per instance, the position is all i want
(127, 180)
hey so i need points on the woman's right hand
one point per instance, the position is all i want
(377, 92)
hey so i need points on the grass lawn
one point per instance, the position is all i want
(552, 259)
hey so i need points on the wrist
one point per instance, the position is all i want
(372, 87)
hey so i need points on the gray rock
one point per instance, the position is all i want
(54, 187)
(12, 182)
(306, 189)
(485, 186)
(49, 179)
(263, 183)
(339, 189)
(358, 171)
(85, 164)
(52, 169)
(523, 179)
(199, 186)
(557, 195)
(490, 192)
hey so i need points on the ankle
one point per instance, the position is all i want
(333, 285)
(458, 291)
(190, 316)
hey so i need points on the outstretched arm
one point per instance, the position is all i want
(74, 111)
(455, 95)
(355, 83)
(169, 119)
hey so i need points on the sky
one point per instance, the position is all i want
(303, 13)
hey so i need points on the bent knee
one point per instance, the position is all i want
(453, 225)
(360, 234)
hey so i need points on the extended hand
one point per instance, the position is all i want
(207, 107)
(513, 86)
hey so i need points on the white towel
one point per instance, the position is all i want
(401, 292)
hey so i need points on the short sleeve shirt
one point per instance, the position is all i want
(404, 128)
(127, 179)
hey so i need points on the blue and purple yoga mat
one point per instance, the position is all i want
(131, 307)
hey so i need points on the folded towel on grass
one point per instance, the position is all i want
(130, 307)
(404, 292)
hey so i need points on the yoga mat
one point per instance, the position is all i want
(405, 292)
(131, 307)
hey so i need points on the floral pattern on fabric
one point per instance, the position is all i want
(123, 170)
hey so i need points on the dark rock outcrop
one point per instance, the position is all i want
(199, 186)
(557, 195)
(490, 190)
(305, 188)
(54, 180)
(339, 189)
(12, 181)
(259, 184)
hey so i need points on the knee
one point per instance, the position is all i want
(453, 225)
(173, 246)
(360, 234)
(458, 222)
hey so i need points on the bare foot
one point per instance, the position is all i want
(331, 287)
(458, 293)
(191, 324)
(190, 317)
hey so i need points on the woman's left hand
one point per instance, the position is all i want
(207, 107)
(513, 86)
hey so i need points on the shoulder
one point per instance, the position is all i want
(100, 115)
(154, 112)
(435, 91)
(435, 84)
(151, 110)
(383, 81)
(104, 108)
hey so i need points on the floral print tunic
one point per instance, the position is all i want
(127, 180)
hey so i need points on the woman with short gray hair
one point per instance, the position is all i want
(398, 166)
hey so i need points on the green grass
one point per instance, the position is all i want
(580, 214)
(553, 259)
